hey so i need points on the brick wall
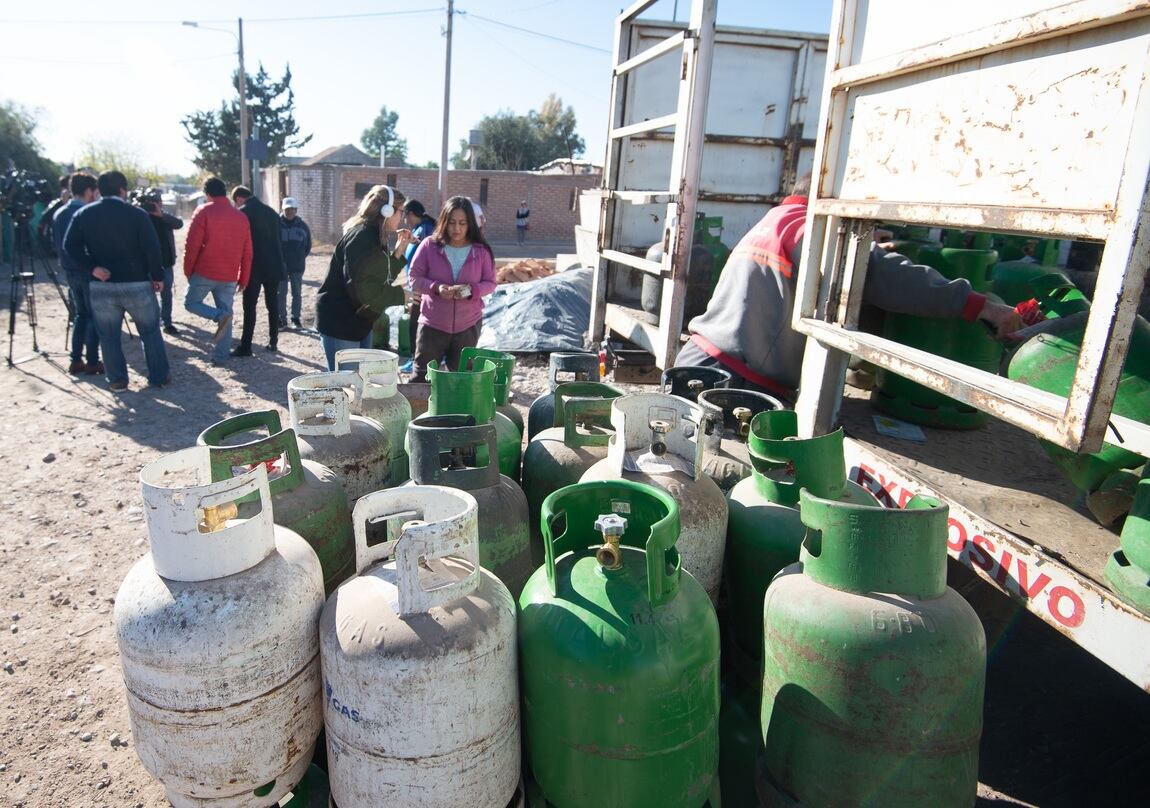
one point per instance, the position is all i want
(327, 196)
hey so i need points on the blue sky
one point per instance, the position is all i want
(126, 72)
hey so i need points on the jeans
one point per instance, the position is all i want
(110, 302)
(251, 302)
(166, 296)
(223, 294)
(295, 281)
(331, 345)
(85, 341)
(520, 234)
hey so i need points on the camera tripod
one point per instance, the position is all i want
(23, 285)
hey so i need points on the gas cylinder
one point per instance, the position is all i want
(953, 338)
(444, 451)
(728, 425)
(310, 792)
(1015, 281)
(765, 533)
(873, 669)
(504, 370)
(657, 441)
(1128, 569)
(619, 655)
(216, 627)
(356, 449)
(558, 456)
(687, 381)
(377, 397)
(569, 366)
(380, 332)
(470, 392)
(1048, 362)
(421, 696)
(306, 496)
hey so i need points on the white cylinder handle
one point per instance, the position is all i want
(437, 522)
(318, 403)
(192, 529)
(680, 422)
(378, 371)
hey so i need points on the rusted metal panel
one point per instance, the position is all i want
(1072, 604)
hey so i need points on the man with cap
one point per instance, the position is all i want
(295, 238)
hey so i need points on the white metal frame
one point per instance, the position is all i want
(696, 44)
(838, 231)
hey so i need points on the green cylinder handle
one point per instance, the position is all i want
(504, 369)
(279, 442)
(783, 464)
(581, 410)
(569, 390)
(652, 525)
(464, 392)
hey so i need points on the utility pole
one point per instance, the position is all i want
(442, 190)
(245, 167)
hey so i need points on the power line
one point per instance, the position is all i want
(319, 18)
(571, 42)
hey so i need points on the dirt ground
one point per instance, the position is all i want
(1061, 728)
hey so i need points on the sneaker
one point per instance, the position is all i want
(242, 350)
(118, 386)
(77, 367)
(171, 329)
(295, 322)
(407, 366)
(95, 369)
(221, 328)
(273, 348)
(164, 383)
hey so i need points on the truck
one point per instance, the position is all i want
(1029, 118)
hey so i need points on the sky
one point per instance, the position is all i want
(126, 72)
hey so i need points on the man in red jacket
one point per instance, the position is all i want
(217, 260)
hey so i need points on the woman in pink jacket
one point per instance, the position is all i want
(452, 272)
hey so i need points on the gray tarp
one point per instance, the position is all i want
(550, 314)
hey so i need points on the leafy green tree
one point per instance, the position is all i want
(381, 131)
(522, 142)
(271, 110)
(18, 142)
(106, 155)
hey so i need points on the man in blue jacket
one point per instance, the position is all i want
(295, 237)
(116, 244)
(84, 339)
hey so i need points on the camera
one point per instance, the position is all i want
(150, 199)
(20, 190)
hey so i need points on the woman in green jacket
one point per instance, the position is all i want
(360, 279)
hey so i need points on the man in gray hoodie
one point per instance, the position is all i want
(746, 328)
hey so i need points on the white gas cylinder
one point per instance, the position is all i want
(421, 695)
(657, 441)
(218, 641)
(377, 397)
(356, 449)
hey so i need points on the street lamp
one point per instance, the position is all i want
(245, 167)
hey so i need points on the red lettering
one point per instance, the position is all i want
(1078, 608)
(1030, 590)
(959, 541)
(1003, 571)
(981, 554)
(904, 497)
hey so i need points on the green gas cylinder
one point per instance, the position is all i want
(309, 792)
(873, 669)
(504, 370)
(1015, 281)
(618, 656)
(952, 338)
(740, 742)
(558, 456)
(1048, 362)
(563, 366)
(472, 392)
(1128, 570)
(381, 331)
(764, 532)
(307, 497)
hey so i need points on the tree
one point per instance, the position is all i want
(522, 142)
(106, 155)
(271, 111)
(18, 142)
(382, 131)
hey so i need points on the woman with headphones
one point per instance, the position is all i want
(452, 272)
(359, 282)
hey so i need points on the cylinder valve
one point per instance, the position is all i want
(611, 526)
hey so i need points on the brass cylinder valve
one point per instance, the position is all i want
(609, 554)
